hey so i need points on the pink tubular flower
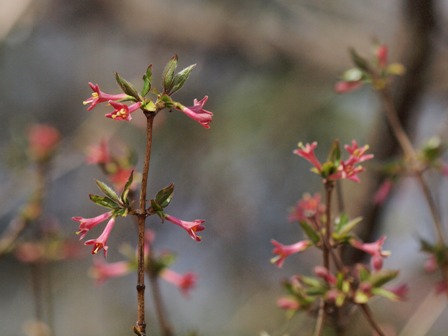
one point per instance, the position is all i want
(86, 224)
(43, 140)
(196, 112)
(185, 282)
(102, 271)
(325, 274)
(350, 168)
(383, 191)
(101, 241)
(287, 303)
(357, 154)
(306, 208)
(190, 227)
(346, 86)
(99, 96)
(98, 153)
(307, 152)
(122, 111)
(374, 249)
(284, 251)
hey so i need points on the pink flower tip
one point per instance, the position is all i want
(191, 227)
(197, 112)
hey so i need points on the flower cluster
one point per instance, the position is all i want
(126, 103)
(357, 286)
(335, 168)
(334, 282)
(376, 72)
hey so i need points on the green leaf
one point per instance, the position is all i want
(340, 222)
(147, 79)
(149, 106)
(335, 153)
(328, 168)
(108, 191)
(310, 232)
(433, 149)
(359, 61)
(127, 87)
(104, 201)
(125, 193)
(349, 226)
(386, 293)
(167, 101)
(180, 79)
(361, 297)
(168, 74)
(427, 246)
(164, 196)
(383, 276)
(122, 212)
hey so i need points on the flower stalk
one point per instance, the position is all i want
(140, 327)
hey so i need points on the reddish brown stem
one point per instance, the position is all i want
(140, 327)
(369, 316)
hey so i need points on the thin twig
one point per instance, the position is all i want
(369, 316)
(140, 328)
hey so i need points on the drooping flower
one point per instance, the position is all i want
(43, 140)
(101, 241)
(86, 224)
(122, 111)
(102, 271)
(197, 112)
(99, 96)
(284, 251)
(307, 152)
(375, 249)
(307, 207)
(185, 282)
(191, 227)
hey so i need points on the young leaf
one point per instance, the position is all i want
(126, 87)
(383, 276)
(108, 191)
(385, 293)
(359, 61)
(180, 78)
(168, 74)
(165, 195)
(310, 232)
(147, 79)
(335, 153)
(125, 193)
(103, 201)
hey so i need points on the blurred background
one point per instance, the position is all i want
(268, 68)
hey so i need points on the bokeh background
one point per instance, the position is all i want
(268, 68)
